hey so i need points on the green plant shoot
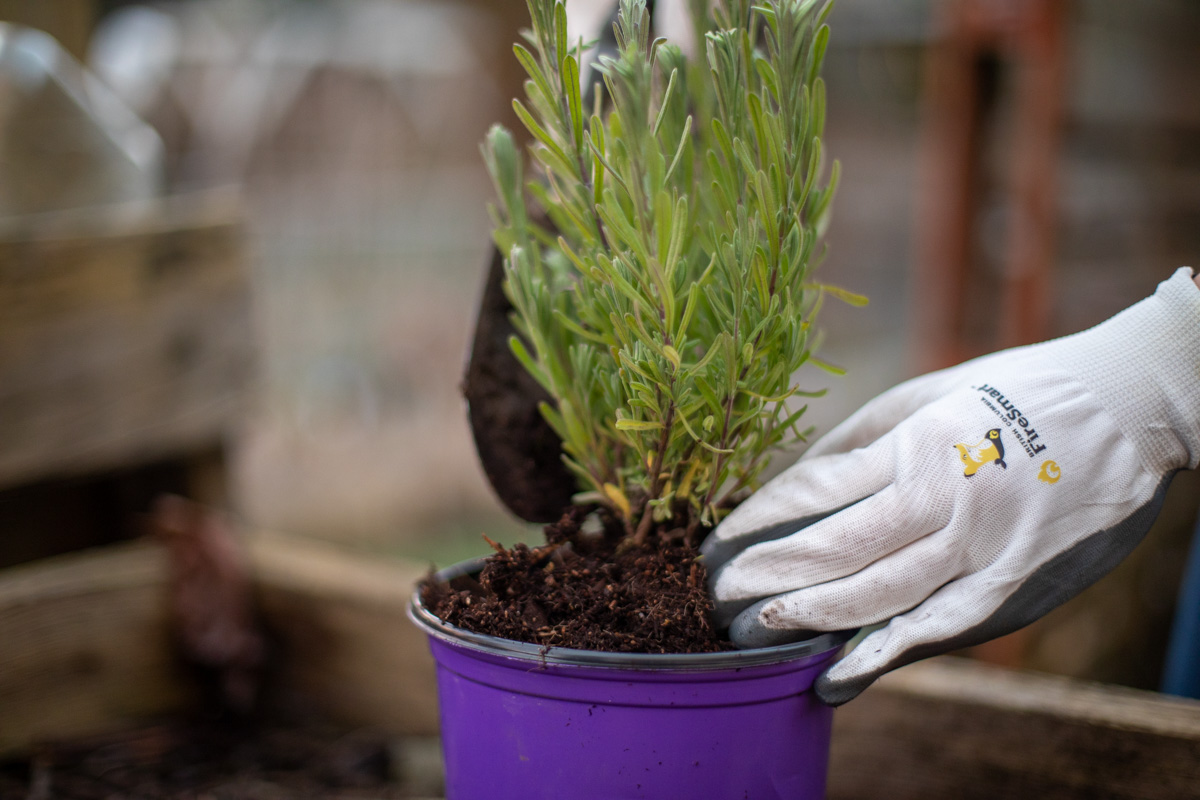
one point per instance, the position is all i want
(660, 249)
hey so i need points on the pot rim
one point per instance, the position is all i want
(540, 654)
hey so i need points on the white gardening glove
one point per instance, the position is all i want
(967, 503)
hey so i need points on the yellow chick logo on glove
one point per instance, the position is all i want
(974, 456)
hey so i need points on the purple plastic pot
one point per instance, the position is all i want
(522, 722)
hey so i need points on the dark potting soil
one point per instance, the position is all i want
(209, 759)
(589, 591)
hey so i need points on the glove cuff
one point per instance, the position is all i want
(1144, 367)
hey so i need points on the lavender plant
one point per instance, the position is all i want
(660, 249)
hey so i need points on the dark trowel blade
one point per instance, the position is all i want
(520, 452)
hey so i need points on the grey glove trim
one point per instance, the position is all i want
(718, 554)
(1051, 585)
(747, 633)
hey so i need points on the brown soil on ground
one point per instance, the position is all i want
(589, 591)
(208, 759)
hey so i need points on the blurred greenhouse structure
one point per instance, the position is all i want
(351, 129)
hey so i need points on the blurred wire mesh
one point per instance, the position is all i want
(352, 129)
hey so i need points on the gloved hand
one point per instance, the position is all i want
(967, 503)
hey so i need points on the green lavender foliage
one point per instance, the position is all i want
(660, 250)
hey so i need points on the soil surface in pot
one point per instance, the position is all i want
(588, 591)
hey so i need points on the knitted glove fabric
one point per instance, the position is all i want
(965, 504)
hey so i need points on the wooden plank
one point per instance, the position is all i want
(124, 335)
(85, 645)
(348, 651)
(77, 259)
(951, 728)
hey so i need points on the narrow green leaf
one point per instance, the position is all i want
(817, 56)
(814, 166)
(657, 43)
(845, 295)
(687, 131)
(709, 395)
(539, 133)
(571, 254)
(553, 418)
(723, 139)
(533, 69)
(522, 355)
(570, 81)
(769, 76)
(567, 207)
(830, 368)
(775, 398)
(678, 231)
(820, 210)
(664, 104)
(576, 328)
(717, 346)
(577, 432)
(689, 310)
(700, 440)
(611, 169)
(792, 419)
(754, 103)
(560, 30)
(596, 135)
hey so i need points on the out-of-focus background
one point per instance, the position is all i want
(300, 182)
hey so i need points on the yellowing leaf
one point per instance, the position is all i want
(617, 498)
(685, 485)
(845, 295)
(637, 425)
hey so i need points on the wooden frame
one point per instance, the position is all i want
(126, 348)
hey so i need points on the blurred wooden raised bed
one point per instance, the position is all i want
(87, 646)
(124, 334)
(125, 356)
(953, 728)
(87, 649)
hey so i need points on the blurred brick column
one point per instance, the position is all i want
(976, 39)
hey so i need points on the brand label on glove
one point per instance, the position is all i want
(1022, 429)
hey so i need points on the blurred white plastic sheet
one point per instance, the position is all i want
(237, 70)
(66, 141)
